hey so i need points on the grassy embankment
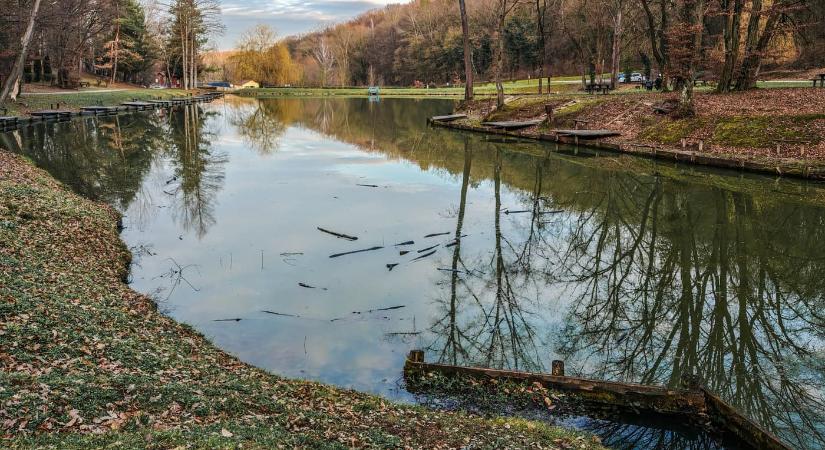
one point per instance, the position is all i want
(74, 100)
(767, 125)
(567, 85)
(86, 362)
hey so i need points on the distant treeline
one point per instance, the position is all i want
(421, 42)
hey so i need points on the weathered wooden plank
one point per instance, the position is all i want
(727, 418)
(695, 403)
(448, 118)
(510, 125)
(637, 397)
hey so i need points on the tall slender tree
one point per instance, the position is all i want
(468, 52)
(12, 85)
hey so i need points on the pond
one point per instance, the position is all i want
(482, 251)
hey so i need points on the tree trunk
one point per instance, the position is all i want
(542, 44)
(690, 15)
(730, 32)
(115, 50)
(756, 45)
(468, 52)
(500, 55)
(12, 86)
(617, 48)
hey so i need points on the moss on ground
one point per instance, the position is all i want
(88, 363)
(671, 131)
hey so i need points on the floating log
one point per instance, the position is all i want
(696, 404)
(512, 125)
(437, 234)
(338, 235)
(428, 248)
(587, 134)
(424, 255)
(448, 118)
(356, 251)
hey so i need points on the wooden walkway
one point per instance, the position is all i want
(11, 123)
(448, 118)
(695, 404)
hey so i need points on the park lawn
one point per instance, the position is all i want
(88, 363)
(74, 100)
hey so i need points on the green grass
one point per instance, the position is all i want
(563, 84)
(89, 363)
(76, 100)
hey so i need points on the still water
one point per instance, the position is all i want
(485, 252)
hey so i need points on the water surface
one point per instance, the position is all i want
(522, 252)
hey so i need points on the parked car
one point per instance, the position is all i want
(156, 86)
(636, 77)
(621, 78)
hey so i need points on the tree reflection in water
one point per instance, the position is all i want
(652, 276)
(198, 170)
(662, 280)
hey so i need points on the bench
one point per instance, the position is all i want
(819, 78)
(576, 122)
(596, 87)
(84, 84)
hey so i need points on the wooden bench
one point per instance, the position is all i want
(84, 84)
(576, 123)
(819, 78)
(596, 87)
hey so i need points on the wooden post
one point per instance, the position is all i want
(557, 368)
(416, 356)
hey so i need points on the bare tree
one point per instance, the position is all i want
(12, 86)
(325, 58)
(503, 9)
(468, 52)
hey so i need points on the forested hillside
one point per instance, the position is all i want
(421, 42)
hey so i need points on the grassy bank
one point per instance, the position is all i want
(74, 100)
(86, 362)
(781, 127)
(567, 85)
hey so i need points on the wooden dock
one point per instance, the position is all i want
(513, 125)
(11, 123)
(696, 403)
(52, 114)
(100, 110)
(448, 118)
(139, 106)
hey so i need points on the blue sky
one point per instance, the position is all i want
(288, 16)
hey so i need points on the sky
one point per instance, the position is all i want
(288, 17)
